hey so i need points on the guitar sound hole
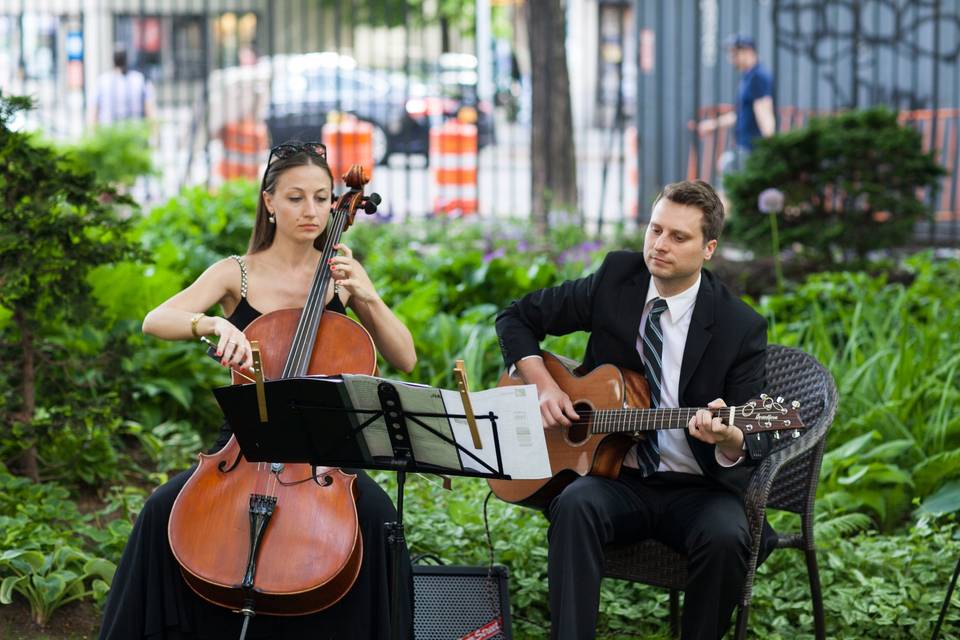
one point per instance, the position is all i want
(580, 430)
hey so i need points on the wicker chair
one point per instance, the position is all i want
(786, 479)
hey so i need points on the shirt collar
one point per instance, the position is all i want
(678, 305)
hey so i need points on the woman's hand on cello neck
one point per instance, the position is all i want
(391, 336)
(352, 277)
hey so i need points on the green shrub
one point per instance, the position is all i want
(850, 183)
(118, 154)
(875, 586)
(196, 228)
(892, 351)
(58, 222)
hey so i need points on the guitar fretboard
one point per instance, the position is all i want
(630, 420)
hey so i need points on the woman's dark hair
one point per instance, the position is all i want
(264, 230)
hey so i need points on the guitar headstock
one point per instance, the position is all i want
(765, 414)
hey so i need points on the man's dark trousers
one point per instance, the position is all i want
(689, 513)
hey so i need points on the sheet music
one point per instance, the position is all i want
(523, 447)
(414, 398)
(363, 395)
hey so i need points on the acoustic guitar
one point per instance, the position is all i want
(613, 405)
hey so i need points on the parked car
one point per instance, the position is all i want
(314, 87)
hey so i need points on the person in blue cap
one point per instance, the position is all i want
(754, 115)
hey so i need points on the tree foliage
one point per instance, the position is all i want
(58, 221)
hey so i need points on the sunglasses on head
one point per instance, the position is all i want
(290, 149)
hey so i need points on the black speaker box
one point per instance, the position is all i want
(460, 603)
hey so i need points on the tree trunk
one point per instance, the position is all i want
(444, 34)
(28, 459)
(553, 162)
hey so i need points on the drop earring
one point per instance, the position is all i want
(272, 218)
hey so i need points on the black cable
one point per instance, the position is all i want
(486, 527)
(946, 601)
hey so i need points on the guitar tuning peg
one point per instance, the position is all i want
(796, 433)
(776, 435)
(795, 404)
(780, 399)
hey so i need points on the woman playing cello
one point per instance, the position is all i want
(149, 597)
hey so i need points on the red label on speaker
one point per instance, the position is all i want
(488, 630)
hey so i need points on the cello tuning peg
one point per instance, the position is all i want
(371, 202)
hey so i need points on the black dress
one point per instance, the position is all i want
(149, 598)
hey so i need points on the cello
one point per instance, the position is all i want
(281, 539)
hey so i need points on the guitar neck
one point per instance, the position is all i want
(633, 420)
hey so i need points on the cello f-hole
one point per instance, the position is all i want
(233, 465)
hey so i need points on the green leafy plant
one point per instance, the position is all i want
(196, 228)
(850, 182)
(118, 153)
(44, 553)
(892, 350)
(50, 580)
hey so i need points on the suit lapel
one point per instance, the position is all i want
(698, 335)
(630, 306)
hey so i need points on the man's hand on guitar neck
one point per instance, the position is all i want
(555, 406)
(709, 428)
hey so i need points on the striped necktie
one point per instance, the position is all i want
(648, 451)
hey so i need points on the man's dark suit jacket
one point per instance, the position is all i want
(724, 356)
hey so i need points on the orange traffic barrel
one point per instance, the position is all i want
(349, 141)
(453, 166)
(244, 141)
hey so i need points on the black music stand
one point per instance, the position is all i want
(313, 420)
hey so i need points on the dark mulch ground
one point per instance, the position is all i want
(75, 621)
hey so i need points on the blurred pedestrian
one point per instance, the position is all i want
(754, 115)
(122, 93)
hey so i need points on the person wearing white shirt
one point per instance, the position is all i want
(122, 93)
(685, 489)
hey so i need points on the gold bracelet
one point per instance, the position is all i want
(193, 324)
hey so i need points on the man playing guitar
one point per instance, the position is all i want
(662, 314)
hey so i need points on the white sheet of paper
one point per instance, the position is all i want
(523, 447)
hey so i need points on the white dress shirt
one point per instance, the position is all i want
(122, 96)
(675, 452)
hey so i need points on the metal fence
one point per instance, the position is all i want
(826, 56)
(230, 75)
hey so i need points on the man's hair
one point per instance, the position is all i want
(699, 194)
(120, 58)
(740, 41)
